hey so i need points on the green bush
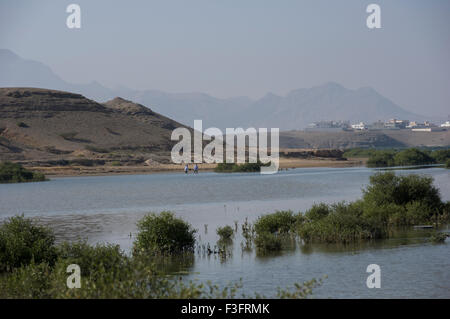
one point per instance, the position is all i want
(30, 282)
(16, 173)
(91, 259)
(344, 223)
(387, 188)
(237, 168)
(22, 242)
(441, 156)
(412, 156)
(359, 152)
(447, 163)
(318, 211)
(164, 233)
(278, 222)
(388, 201)
(268, 242)
(225, 233)
(381, 159)
(438, 237)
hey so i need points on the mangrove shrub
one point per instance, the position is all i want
(164, 233)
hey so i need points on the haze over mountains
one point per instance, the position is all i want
(296, 110)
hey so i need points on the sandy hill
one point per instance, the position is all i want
(49, 125)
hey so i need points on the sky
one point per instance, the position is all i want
(229, 48)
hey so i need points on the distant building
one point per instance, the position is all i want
(396, 124)
(360, 126)
(446, 124)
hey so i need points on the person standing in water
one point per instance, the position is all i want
(195, 169)
(186, 169)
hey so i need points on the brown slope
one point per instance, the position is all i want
(42, 125)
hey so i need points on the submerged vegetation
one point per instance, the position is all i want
(388, 202)
(16, 173)
(34, 267)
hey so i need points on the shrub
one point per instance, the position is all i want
(164, 233)
(235, 168)
(16, 173)
(91, 259)
(22, 124)
(344, 223)
(30, 281)
(278, 222)
(381, 159)
(447, 163)
(225, 233)
(21, 242)
(387, 188)
(441, 156)
(438, 237)
(268, 242)
(317, 211)
(412, 156)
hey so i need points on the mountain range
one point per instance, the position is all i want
(295, 110)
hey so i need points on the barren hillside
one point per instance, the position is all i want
(48, 125)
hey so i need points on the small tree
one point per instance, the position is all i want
(225, 233)
(164, 234)
(22, 242)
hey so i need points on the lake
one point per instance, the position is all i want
(106, 209)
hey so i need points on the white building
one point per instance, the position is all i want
(446, 124)
(359, 126)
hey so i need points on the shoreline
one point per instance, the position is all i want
(285, 163)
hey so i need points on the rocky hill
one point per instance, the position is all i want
(56, 127)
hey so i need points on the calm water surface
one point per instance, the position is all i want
(106, 208)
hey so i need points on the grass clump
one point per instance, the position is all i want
(225, 233)
(16, 173)
(164, 234)
(22, 242)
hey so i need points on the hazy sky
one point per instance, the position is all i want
(242, 47)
